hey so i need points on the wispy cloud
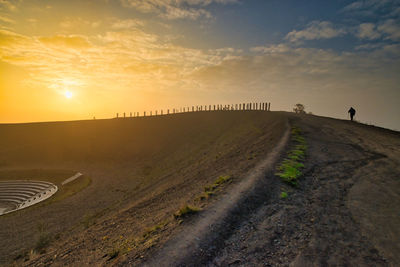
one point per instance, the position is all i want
(373, 8)
(6, 20)
(391, 28)
(8, 5)
(388, 29)
(127, 59)
(66, 41)
(123, 24)
(175, 9)
(368, 31)
(315, 30)
(77, 22)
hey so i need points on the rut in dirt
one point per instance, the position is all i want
(199, 242)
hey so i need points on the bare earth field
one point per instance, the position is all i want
(345, 210)
(142, 171)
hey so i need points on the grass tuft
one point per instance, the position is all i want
(113, 253)
(209, 190)
(44, 239)
(284, 195)
(186, 211)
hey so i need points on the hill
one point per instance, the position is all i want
(208, 188)
(142, 171)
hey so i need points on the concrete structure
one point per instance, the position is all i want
(19, 194)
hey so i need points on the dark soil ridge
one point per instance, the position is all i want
(199, 242)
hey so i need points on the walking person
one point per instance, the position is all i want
(352, 112)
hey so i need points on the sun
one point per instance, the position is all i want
(68, 94)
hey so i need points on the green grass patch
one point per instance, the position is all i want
(222, 179)
(284, 195)
(290, 169)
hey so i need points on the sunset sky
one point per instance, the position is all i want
(75, 59)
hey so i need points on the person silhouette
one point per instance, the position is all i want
(352, 112)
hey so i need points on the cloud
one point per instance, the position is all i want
(370, 4)
(127, 59)
(369, 46)
(304, 74)
(124, 24)
(391, 28)
(175, 9)
(69, 41)
(6, 20)
(368, 31)
(373, 8)
(388, 29)
(314, 31)
(280, 48)
(9, 5)
(9, 38)
(77, 22)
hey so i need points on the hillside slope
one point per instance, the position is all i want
(142, 170)
(344, 211)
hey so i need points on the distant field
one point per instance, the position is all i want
(142, 170)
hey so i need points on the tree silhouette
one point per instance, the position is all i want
(299, 108)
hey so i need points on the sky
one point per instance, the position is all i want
(79, 59)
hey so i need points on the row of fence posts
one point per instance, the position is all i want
(244, 106)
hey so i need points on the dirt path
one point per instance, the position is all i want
(344, 212)
(205, 231)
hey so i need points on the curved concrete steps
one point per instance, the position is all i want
(15, 195)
